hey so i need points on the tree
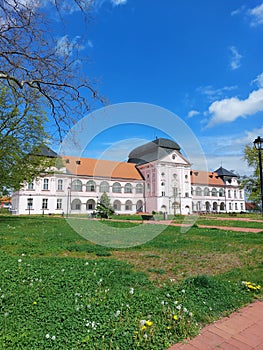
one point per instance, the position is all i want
(251, 183)
(34, 63)
(22, 137)
(104, 208)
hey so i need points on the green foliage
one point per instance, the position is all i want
(104, 208)
(251, 183)
(21, 138)
(51, 297)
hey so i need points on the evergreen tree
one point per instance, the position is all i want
(104, 208)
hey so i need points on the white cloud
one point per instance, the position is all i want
(65, 46)
(212, 93)
(99, 3)
(90, 44)
(228, 150)
(256, 15)
(259, 80)
(229, 109)
(118, 2)
(235, 58)
(192, 113)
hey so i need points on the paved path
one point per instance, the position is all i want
(242, 330)
(226, 228)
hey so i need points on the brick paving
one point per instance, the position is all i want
(242, 330)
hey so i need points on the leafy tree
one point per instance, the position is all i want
(35, 61)
(22, 136)
(104, 208)
(251, 183)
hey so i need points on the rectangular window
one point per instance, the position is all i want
(45, 184)
(230, 206)
(44, 203)
(29, 203)
(163, 194)
(30, 186)
(240, 195)
(59, 203)
(235, 206)
(229, 194)
(60, 185)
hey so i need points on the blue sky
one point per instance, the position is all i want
(201, 60)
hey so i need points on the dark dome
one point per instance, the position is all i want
(152, 150)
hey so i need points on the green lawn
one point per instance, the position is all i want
(60, 291)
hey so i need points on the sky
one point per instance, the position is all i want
(200, 59)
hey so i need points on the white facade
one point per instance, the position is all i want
(64, 194)
(216, 195)
(168, 185)
(161, 182)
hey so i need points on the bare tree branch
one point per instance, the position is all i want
(31, 59)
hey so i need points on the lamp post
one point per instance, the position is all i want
(258, 143)
(68, 200)
(29, 203)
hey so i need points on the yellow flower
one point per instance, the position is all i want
(169, 327)
(175, 317)
(143, 328)
(34, 303)
(149, 323)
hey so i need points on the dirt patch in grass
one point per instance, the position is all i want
(162, 266)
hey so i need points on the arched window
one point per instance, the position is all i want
(90, 205)
(207, 206)
(164, 208)
(222, 206)
(128, 205)
(117, 205)
(76, 204)
(215, 206)
(206, 191)
(104, 187)
(139, 188)
(128, 188)
(221, 192)
(116, 188)
(76, 185)
(91, 186)
(198, 191)
(214, 192)
(139, 206)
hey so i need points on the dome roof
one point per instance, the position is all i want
(152, 150)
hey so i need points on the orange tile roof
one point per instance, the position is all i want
(101, 168)
(205, 178)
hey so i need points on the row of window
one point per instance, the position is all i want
(90, 205)
(91, 185)
(44, 203)
(216, 206)
(214, 193)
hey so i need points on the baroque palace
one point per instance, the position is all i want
(156, 178)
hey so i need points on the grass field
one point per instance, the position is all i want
(61, 291)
